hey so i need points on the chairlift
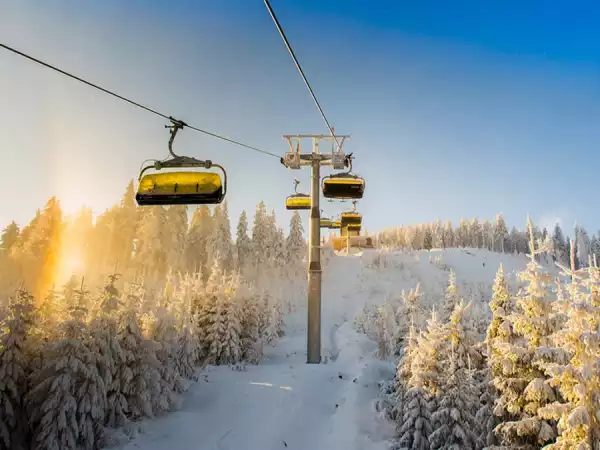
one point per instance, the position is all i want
(344, 185)
(325, 222)
(181, 187)
(351, 217)
(297, 201)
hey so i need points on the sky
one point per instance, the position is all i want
(455, 109)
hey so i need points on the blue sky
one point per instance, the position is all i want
(455, 110)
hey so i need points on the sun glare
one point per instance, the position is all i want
(70, 264)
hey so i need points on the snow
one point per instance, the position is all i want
(286, 403)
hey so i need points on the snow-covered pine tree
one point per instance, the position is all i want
(413, 413)
(243, 243)
(414, 424)
(279, 250)
(428, 240)
(177, 226)
(462, 339)
(595, 246)
(39, 254)
(448, 235)
(251, 339)
(500, 234)
(404, 364)
(453, 422)
(139, 376)
(427, 362)
(436, 231)
(485, 419)
(220, 320)
(559, 245)
(476, 233)
(577, 374)
(14, 370)
(463, 238)
(487, 234)
(275, 325)
(583, 246)
(260, 238)
(67, 401)
(500, 305)
(188, 344)
(220, 240)
(9, 237)
(105, 344)
(452, 297)
(196, 246)
(152, 242)
(521, 384)
(162, 330)
(296, 245)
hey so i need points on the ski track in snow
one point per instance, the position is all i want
(285, 403)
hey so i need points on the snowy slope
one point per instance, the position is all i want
(286, 403)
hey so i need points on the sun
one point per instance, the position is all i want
(70, 263)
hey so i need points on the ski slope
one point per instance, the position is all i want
(286, 403)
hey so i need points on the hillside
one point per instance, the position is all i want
(285, 403)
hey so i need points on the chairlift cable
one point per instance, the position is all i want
(297, 63)
(139, 105)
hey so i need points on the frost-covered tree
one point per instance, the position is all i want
(487, 234)
(220, 319)
(40, 253)
(448, 235)
(220, 241)
(177, 226)
(251, 339)
(140, 381)
(500, 306)
(484, 418)
(476, 233)
(405, 360)
(426, 366)
(14, 370)
(461, 338)
(261, 237)
(296, 245)
(196, 247)
(595, 246)
(452, 298)
(428, 240)
(500, 234)
(583, 246)
(577, 375)
(414, 424)
(67, 401)
(243, 243)
(521, 384)
(162, 330)
(123, 228)
(453, 422)
(559, 245)
(104, 342)
(188, 345)
(9, 237)
(152, 242)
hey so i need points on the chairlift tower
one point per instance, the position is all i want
(295, 159)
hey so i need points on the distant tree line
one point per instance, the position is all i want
(493, 236)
